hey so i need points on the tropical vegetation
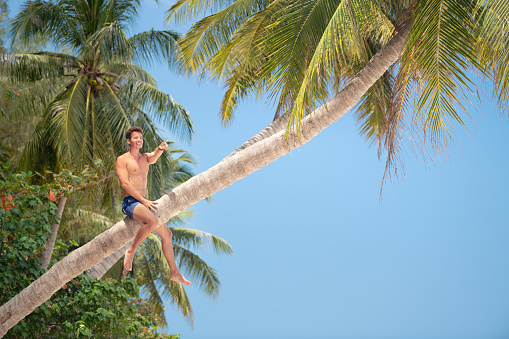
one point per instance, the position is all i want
(84, 306)
(94, 85)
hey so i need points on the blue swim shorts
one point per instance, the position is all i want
(128, 205)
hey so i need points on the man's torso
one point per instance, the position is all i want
(137, 171)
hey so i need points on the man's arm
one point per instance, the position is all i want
(152, 157)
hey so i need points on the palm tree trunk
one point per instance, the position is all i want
(97, 271)
(201, 186)
(124, 273)
(50, 243)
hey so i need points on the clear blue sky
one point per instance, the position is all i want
(316, 253)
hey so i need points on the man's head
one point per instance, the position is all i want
(134, 136)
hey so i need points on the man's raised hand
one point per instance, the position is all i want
(164, 145)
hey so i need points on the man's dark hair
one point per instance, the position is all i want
(131, 130)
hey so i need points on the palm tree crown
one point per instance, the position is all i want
(94, 89)
(301, 52)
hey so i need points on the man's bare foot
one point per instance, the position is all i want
(128, 260)
(180, 278)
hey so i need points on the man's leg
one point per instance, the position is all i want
(166, 242)
(143, 215)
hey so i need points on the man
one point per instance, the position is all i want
(132, 170)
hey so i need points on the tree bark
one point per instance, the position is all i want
(97, 271)
(124, 273)
(201, 186)
(50, 243)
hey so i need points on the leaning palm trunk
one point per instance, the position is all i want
(97, 271)
(201, 186)
(50, 243)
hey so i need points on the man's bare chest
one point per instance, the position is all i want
(136, 168)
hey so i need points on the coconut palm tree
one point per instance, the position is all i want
(94, 89)
(195, 189)
(423, 35)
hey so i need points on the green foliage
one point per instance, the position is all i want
(88, 94)
(24, 229)
(494, 39)
(84, 306)
(90, 308)
(300, 53)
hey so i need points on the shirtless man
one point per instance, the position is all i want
(132, 170)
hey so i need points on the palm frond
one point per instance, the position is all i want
(238, 87)
(114, 118)
(164, 108)
(124, 12)
(71, 60)
(494, 39)
(41, 18)
(39, 152)
(190, 238)
(371, 110)
(112, 43)
(158, 46)
(212, 33)
(345, 27)
(150, 288)
(130, 71)
(240, 61)
(442, 47)
(30, 99)
(183, 10)
(69, 111)
(198, 270)
(182, 218)
(31, 67)
(82, 225)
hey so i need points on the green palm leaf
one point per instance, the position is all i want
(112, 43)
(189, 238)
(212, 33)
(186, 9)
(322, 68)
(69, 112)
(130, 71)
(33, 96)
(494, 39)
(198, 270)
(154, 298)
(444, 48)
(154, 46)
(21, 68)
(47, 19)
(165, 109)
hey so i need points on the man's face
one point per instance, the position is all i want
(136, 140)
